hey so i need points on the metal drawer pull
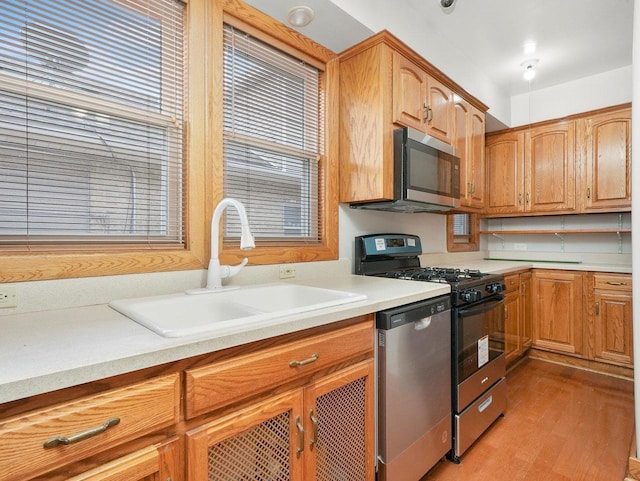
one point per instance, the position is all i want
(301, 431)
(612, 283)
(314, 438)
(313, 358)
(58, 440)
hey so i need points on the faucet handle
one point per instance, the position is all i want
(230, 271)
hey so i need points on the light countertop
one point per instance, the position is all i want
(49, 350)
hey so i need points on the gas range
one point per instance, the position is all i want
(395, 256)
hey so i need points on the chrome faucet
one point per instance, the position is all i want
(216, 272)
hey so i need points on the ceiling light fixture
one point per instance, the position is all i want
(529, 67)
(300, 16)
(447, 3)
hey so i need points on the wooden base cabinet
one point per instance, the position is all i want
(322, 431)
(295, 407)
(517, 315)
(558, 314)
(585, 315)
(612, 318)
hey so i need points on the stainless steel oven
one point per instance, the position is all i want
(478, 368)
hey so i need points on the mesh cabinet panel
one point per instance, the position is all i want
(258, 454)
(341, 448)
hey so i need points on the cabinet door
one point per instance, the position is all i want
(438, 111)
(156, 463)
(512, 343)
(409, 93)
(608, 161)
(550, 164)
(339, 411)
(504, 159)
(468, 135)
(526, 305)
(475, 158)
(613, 327)
(262, 441)
(558, 311)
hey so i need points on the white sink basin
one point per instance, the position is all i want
(178, 315)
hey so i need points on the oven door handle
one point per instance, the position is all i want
(485, 306)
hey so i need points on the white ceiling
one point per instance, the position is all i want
(574, 38)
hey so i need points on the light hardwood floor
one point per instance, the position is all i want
(561, 424)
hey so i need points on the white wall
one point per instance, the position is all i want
(384, 14)
(635, 216)
(589, 93)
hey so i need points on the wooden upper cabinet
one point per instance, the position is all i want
(366, 131)
(420, 101)
(550, 168)
(439, 122)
(409, 93)
(384, 85)
(468, 141)
(606, 147)
(577, 165)
(504, 160)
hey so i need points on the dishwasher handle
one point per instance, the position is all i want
(481, 308)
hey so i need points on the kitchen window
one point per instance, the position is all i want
(91, 123)
(463, 232)
(274, 139)
(271, 139)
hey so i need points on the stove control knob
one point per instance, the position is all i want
(496, 287)
(471, 295)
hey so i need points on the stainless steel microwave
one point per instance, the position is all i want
(426, 175)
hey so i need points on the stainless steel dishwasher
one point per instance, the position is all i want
(414, 388)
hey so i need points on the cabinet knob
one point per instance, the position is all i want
(597, 308)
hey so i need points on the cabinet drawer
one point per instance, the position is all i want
(219, 384)
(81, 428)
(512, 282)
(617, 282)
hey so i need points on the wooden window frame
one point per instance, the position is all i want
(258, 25)
(203, 163)
(473, 243)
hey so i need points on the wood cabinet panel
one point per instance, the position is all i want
(219, 384)
(606, 140)
(78, 429)
(505, 173)
(613, 318)
(558, 310)
(155, 463)
(439, 121)
(468, 141)
(550, 168)
(409, 93)
(313, 432)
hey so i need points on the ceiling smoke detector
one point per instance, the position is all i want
(300, 16)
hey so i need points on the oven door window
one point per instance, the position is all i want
(480, 335)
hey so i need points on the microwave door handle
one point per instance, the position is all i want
(482, 308)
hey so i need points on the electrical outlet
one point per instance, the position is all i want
(287, 271)
(519, 247)
(8, 296)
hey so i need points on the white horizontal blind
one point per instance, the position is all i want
(91, 120)
(461, 228)
(272, 136)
